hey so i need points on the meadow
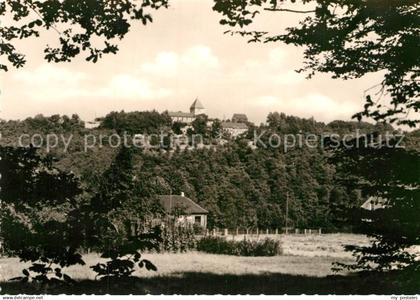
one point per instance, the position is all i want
(304, 267)
(302, 255)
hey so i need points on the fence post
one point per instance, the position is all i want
(237, 231)
(225, 232)
(214, 231)
(277, 231)
(257, 231)
(296, 230)
(319, 231)
(305, 231)
(266, 231)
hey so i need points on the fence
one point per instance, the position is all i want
(256, 231)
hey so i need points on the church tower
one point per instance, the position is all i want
(197, 108)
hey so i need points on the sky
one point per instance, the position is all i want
(182, 55)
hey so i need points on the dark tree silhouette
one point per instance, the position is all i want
(38, 208)
(199, 125)
(118, 212)
(389, 176)
(348, 39)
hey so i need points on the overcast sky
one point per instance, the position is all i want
(182, 55)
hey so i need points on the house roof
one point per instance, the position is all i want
(234, 125)
(171, 202)
(180, 114)
(197, 105)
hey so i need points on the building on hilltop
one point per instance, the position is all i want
(183, 117)
(185, 210)
(196, 109)
(234, 129)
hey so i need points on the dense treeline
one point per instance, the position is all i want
(136, 122)
(245, 188)
(42, 124)
(239, 185)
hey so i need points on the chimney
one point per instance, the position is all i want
(182, 194)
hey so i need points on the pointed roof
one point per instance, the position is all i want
(172, 202)
(197, 104)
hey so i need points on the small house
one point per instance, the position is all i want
(184, 210)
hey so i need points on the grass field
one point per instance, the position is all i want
(305, 267)
(302, 255)
(325, 245)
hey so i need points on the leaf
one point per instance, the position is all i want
(3, 67)
(68, 279)
(55, 280)
(40, 278)
(149, 266)
(38, 268)
(19, 278)
(58, 272)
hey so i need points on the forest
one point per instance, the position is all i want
(241, 187)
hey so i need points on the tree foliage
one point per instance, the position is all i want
(346, 38)
(118, 212)
(199, 125)
(80, 26)
(137, 122)
(39, 207)
(240, 186)
(389, 176)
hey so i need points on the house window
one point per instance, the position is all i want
(197, 220)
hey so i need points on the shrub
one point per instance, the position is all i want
(219, 245)
(177, 239)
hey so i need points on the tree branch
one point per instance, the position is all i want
(291, 10)
(32, 7)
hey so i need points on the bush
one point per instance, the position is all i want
(177, 239)
(219, 245)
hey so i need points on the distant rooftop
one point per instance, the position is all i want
(234, 125)
(180, 114)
